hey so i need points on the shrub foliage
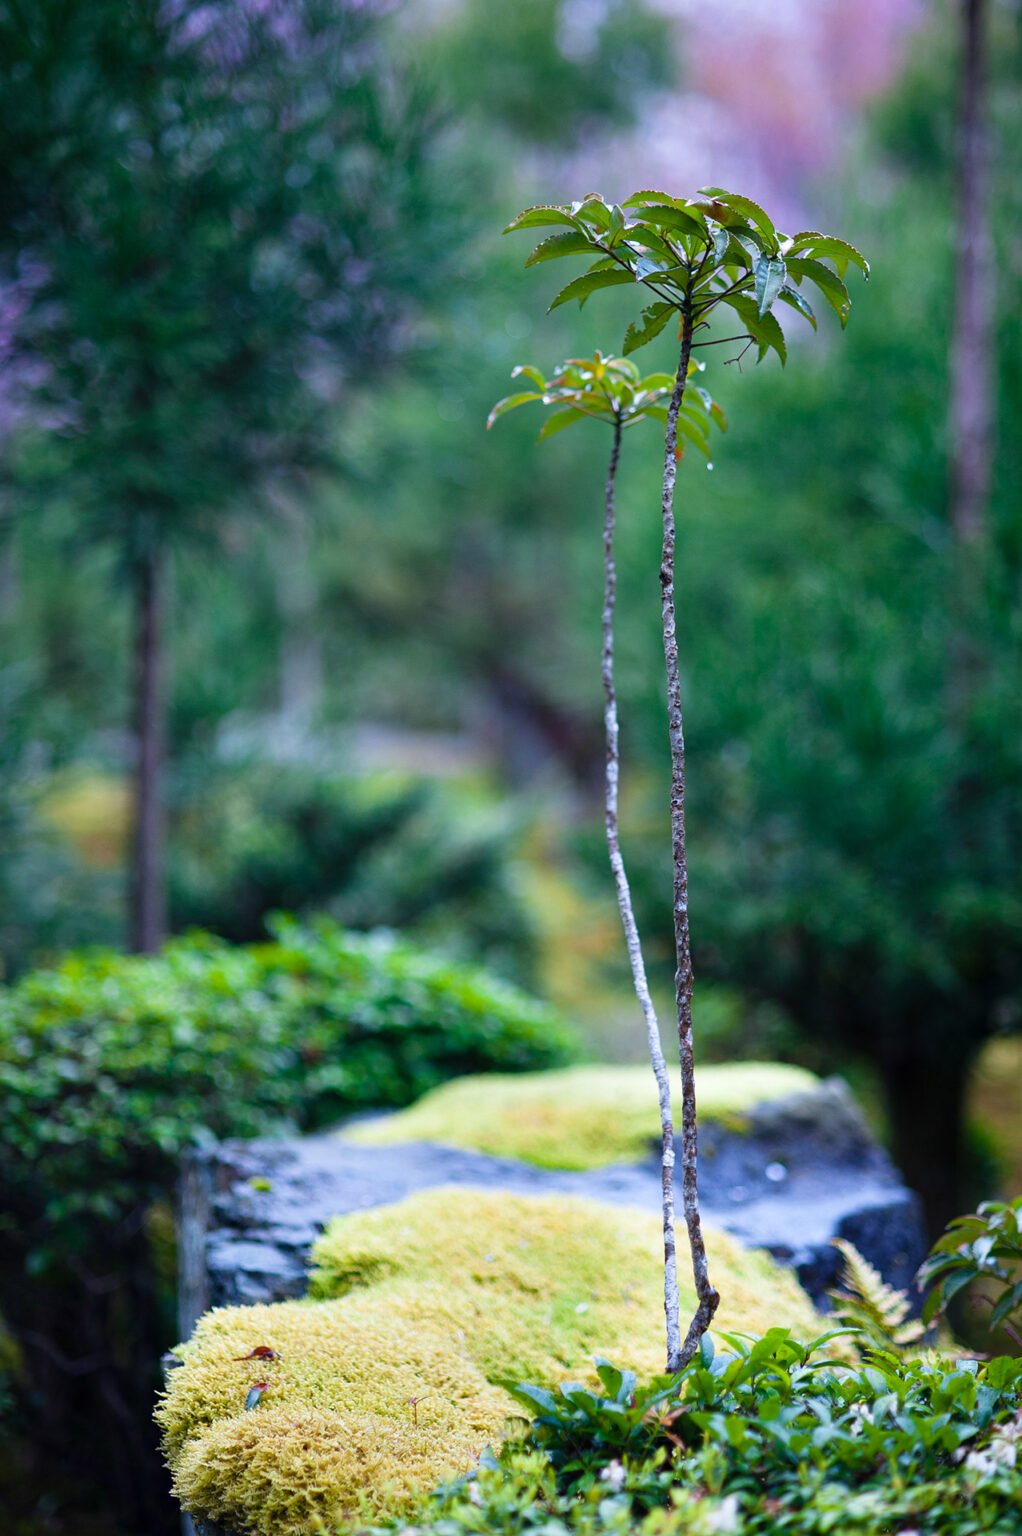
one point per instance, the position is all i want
(110, 1066)
(766, 1435)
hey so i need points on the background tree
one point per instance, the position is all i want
(219, 202)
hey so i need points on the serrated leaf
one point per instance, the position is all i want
(510, 403)
(650, 239)
(590, 282)
(770, 274)
(639, 198)
(570, 243)
(829, 284)
(654, 318)
(665, 216)
(542, 213)
(593, 210)
(746, 208)
(841, 252)
(798, 301)
(764, 329)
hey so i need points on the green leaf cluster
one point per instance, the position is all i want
(612, 390)
(692, 256)
(105, 1062)
(986, 1245)
(768, 1434)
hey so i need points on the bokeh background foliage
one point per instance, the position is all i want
(253, 311)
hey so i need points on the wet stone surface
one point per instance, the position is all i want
(797, 1173)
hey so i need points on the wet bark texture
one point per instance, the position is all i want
(148, 898)
(624, 901)
(706, 1296)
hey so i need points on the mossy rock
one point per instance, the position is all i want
(581, 1117)
(434, 1300)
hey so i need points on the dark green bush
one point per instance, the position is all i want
(262, 837)
(110, 1066)
(767, 1436)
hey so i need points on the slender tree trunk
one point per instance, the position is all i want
(971, 383)
(148, 898)
(624, 901)
(707, 1297)
(926, 1110)
(8, 555)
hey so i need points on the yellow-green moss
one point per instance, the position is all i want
(434, 1299)
(582, 1117)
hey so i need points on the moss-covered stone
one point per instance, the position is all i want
(384, 1385)
(581, 1117)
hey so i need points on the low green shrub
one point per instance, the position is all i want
(984, 1247)
(766, 1436)
(431, 859)
(111, 1066)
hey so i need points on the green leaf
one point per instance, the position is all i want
(650, 239)
(746, 208)
(566, 416)
(764, 329)
(1011, 1299)
(533, 374)
(664, 216)
(570, 243)
(831, 286)
(798, 301)
(839, 251)
(687, 430)
(715, 411)
(637, 199)
(590, 282)
(530, 1396)
(649, 266)
(654, 318)
(531, 218)
(510, 403)
(770, 275)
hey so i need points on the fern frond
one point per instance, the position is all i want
(867, 1303)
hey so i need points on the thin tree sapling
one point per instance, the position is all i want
(690, 257)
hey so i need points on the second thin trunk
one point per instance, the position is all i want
(632, 941)
(706, 1296)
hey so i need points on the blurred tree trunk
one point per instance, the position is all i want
(971, 403)
(148, 898)
(926, 1104)
(301, 649)
(8, 554)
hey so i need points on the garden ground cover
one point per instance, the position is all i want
(388, 1380)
